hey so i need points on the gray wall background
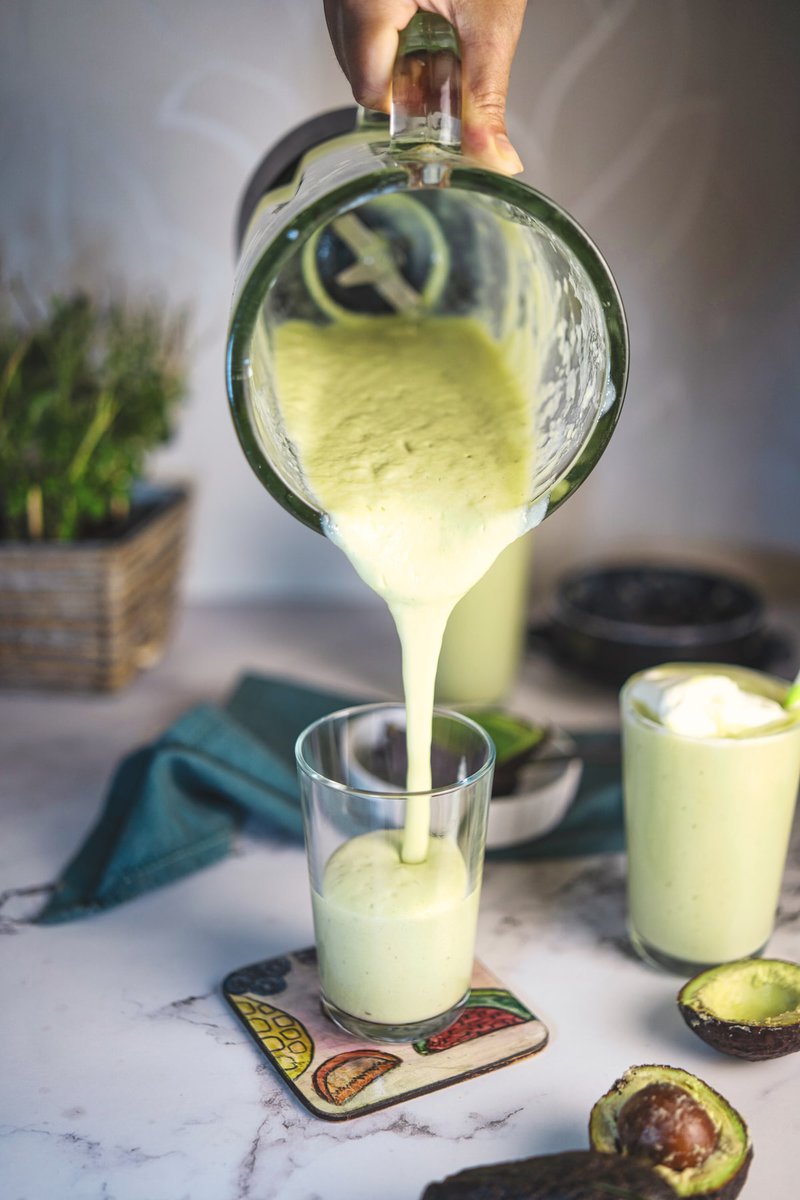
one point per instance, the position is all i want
(669, 128)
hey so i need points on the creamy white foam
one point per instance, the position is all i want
(704, 705)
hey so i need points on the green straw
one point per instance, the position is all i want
(792, 697)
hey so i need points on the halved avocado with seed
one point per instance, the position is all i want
(677, 1124)
(571, 1175)
(750, 1008)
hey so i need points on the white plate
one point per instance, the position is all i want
(541, 798)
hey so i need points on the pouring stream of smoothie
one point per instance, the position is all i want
(416, 440)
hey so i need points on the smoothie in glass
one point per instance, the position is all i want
(711, 763)
(395, 940)
(483, 641)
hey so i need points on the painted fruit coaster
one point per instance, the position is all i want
(338, 1076)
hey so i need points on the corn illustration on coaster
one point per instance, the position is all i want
(338, 1076)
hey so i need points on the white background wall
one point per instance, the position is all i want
(670, 128)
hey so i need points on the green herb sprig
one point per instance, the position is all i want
(87, 390)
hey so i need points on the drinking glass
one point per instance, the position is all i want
(395, 940)
(707, 827)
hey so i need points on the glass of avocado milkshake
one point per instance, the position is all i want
(711, 765)
(395, 938)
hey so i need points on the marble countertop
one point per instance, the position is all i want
(125, 1074)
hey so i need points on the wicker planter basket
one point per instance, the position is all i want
(88, 616)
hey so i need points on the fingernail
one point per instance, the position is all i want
(507, 154)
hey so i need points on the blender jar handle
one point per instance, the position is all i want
(426, 85)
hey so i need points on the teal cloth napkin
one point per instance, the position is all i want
(175, 805)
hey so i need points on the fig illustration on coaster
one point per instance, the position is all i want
(266, 978)
(749, 1008)
(680, 1126)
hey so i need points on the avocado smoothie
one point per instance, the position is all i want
(395, 940)
(421, 456)
(416, 440)
(711, 764)
(485, 634)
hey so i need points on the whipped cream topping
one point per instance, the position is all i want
(704, 705)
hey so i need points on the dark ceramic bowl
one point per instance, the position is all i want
(611, 622)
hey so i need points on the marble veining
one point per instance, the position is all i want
(127, 1077)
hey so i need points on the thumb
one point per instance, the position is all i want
(488, 32)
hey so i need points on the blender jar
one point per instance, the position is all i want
(366, 215)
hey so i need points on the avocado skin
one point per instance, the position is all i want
(753, 1042)
(742, 1039)
(733, 1187)
(570, 1175)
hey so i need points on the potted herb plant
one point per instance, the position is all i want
(89, 560)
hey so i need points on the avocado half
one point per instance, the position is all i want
(515, 739)
(749, 1008)
(571, 1175)
(707, 1141)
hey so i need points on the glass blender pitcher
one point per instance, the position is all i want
(356, 214)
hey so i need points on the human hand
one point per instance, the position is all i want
(365, 35)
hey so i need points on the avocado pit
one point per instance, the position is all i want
(664, 1124)
(749, 1008)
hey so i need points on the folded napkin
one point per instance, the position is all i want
(175, 806)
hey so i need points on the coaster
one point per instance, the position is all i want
(338, 1076)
